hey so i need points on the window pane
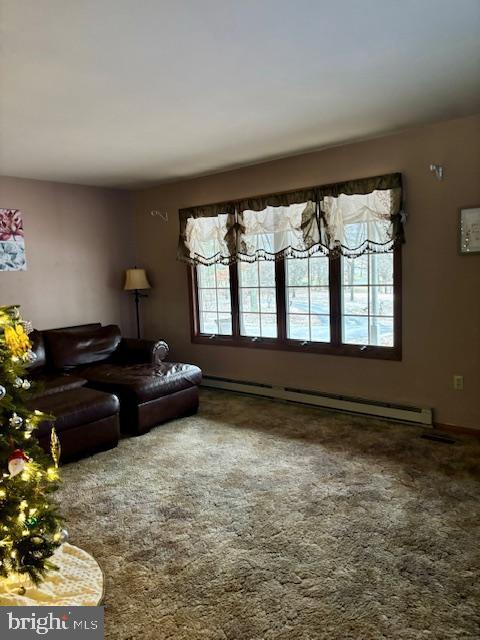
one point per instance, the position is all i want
(214, 302)
(249, 300)
(307, 292)
(355, 330)
(319, 300)
(267, 273)
(255, 296)
(250, 324)
(381, 301)
(355, 270)
(381, 332)
(320, 328)
(207, 299)
(223, 297)
(223, 276)
(248, 274)
(298, 327)
(267, 300)
(206, 276)
(318, 271)
(269, 325)
(381, 268)
(373, 299)
(355, 300)
(297, 300)
(224, 324)
(208, 322)
(297, 272)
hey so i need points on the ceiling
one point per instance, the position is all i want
(136, 92)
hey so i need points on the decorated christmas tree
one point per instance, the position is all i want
(30, 528)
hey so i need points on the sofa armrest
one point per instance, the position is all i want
(138, 351)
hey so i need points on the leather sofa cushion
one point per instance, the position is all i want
(70, 349)
(143, 382)
(54, 383)
(75, 407)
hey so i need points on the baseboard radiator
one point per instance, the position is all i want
(384, 410)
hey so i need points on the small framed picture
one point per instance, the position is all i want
(470, 230)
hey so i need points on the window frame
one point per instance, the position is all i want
(281, 342)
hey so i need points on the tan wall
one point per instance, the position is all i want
(441, 288)
(78, 241)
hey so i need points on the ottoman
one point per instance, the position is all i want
(149, 394)
(86, 421)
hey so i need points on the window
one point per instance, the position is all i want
(213, 296)
(367, 300)
(257, 298)
(317, 269)
(308, 299)
(341, 305)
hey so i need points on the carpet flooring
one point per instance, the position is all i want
(258, 520)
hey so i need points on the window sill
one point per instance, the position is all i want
(349, 350)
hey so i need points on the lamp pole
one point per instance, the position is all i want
(137, 296)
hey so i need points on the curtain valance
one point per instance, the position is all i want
(208, 234)
(349, 218)
(361, 186)
(278, 232)
(286, 199)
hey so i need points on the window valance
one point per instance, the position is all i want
(361, 215)
(208, 234)
(278, 231)
(346, 218)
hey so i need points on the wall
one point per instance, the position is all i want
(78, 241)
(441, 288)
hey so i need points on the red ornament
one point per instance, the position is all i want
(16, 462)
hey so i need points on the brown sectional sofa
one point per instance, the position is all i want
(97, 383)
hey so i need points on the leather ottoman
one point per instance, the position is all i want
(149, 394)
(86, 421)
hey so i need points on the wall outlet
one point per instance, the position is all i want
(458, 382)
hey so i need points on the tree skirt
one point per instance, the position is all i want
(78, 582)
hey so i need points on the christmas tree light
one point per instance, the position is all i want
(30, 527)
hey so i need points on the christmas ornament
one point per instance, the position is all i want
(17, 340)
(30, 356)
(63, 535)
(26, 384)
(28, 326)
(3, 391)
(15, 421)
(55, 448)
(31, 522)
(17, 383)
(16, 462)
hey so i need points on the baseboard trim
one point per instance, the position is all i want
(343, 404)
(458, 430)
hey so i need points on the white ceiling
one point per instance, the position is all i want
(135, 92)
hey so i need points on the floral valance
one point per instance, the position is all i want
(346, 218)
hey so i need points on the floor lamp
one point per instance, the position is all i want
(136, 281)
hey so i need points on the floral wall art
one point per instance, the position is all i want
(12, 243)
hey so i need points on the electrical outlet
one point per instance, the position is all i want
(458, 382)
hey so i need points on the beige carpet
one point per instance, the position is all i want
(257, 520)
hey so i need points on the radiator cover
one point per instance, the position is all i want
(362, 406)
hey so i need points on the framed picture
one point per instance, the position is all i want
(470, 230)
(12, 244)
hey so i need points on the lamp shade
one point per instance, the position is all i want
(136, 279)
